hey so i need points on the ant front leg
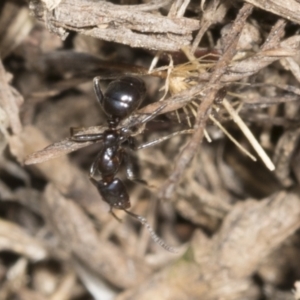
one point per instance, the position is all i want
(97, 89)
(81, 138)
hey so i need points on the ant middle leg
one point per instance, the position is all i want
(164, 138)
(148, 116)
(155, 113)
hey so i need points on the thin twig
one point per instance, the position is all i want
(249, 135)
(216, 122)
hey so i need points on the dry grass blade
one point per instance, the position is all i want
(249, 135)
(217, 123)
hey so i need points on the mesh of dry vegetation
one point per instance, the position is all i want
(223, 191)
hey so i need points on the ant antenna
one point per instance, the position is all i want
(153, 235)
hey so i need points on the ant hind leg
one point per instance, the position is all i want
(131, 168)
(94, 165)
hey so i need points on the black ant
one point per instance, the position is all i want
(121, 98)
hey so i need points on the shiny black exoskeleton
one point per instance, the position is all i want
(120, 99)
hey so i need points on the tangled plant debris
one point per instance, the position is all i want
(225, 192)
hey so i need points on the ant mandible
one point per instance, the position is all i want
(121, 98)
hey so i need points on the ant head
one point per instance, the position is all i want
(123, 96)
(123, 202)
(113, 193)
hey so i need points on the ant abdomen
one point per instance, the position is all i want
(123, 96)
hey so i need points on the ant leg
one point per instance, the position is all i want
(153, 114)
(84, 137)
(97, 89)
(93, 167)
(164, 138)
(131, 167)
(87, 137)
(132, 143)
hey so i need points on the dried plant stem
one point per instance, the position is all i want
(206, 135)
(154, 62)
(191, 57)
(167, 81)
(249, 135)
(217, 123)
